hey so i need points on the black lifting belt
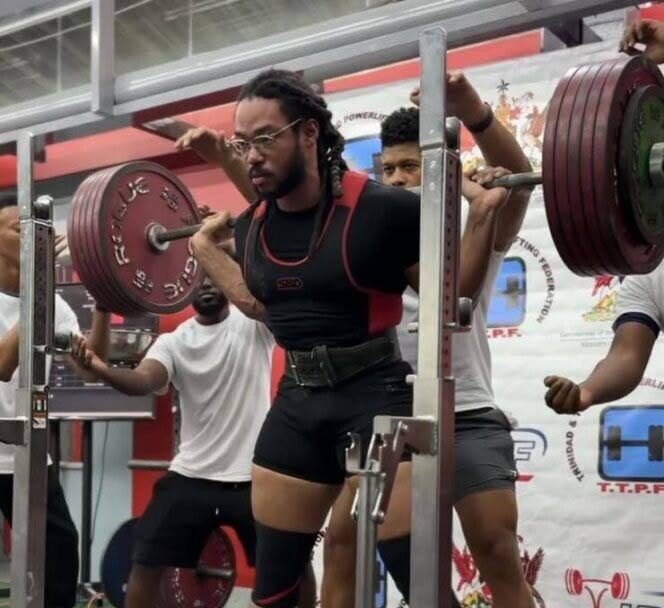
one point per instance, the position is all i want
(330, 366)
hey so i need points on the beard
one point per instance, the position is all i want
(294, 177)
(209, 304)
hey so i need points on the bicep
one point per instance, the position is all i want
(154, 374)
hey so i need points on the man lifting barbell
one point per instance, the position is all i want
(485, 470)
(339, 556)
(61, 570)
(640, 304)
(219, 361)
(330, 290)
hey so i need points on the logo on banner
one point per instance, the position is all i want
(597, 589)
(508, 305)
(529, 445)
(522, 116)
(507, 308)
(364, 154)
(631, 449)
(475, 593)
(605, 293)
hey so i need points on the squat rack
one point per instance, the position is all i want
(357, 42)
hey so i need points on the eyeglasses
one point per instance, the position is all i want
(262, 142)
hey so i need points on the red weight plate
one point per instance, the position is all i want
(97, 284)
(565, 153)
(210, 585)
(553, 213)
(639, 257)
(166, 262)
(137, 195)
(98, 266)
(606, 203)
(78, 242)
(594, 207)
(586, 229)
(122, 304)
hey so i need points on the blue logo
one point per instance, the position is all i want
(364, 154)
(631, 443)
(508, 301)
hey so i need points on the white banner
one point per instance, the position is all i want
(590, 515)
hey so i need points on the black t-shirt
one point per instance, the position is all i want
(334, 296)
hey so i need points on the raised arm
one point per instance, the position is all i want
(478, 240)
(498, 146)
(100, 333)
(222, 269)
(213, 147)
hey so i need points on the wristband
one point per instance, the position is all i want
(483, 125)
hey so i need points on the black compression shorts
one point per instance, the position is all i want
(306, 430)
(183, 513)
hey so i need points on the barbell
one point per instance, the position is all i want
(602, 174)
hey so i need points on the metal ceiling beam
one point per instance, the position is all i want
(356, 42)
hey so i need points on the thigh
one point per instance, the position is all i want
(176, 524)
(484, 454)
(382, 392)
(487, 516)
(234, 502)
(295, 440)
(289, 503)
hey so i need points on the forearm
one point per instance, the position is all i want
(226, 274)
(499, 147)
(100, 333)
(127, 381)
(613, 378)
(9, 345)
(477, 246)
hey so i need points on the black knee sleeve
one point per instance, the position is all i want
(395, 554)
(281, 558)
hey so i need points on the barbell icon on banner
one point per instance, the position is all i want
(614, 442)
(619, 585)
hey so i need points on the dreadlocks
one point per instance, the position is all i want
(298, 100)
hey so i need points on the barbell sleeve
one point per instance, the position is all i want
(158, 237)
(164, 236)
(516, 180)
